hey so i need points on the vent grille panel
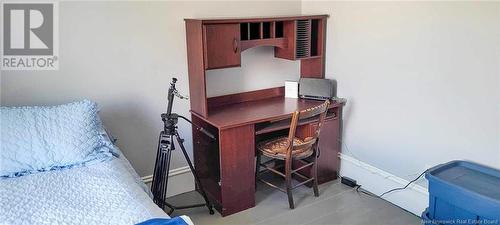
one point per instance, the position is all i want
(303, 37)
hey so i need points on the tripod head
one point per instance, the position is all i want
(170, 119)
(172, 91)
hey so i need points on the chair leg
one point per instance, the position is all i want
(315, 175)
(257, 169)
(290, 197)
(288, 179)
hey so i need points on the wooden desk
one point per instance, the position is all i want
(253, 112)
(226, 166)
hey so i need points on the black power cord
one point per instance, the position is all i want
(389, 191)
(364, 192)
(402, 188)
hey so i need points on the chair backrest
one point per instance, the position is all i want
(316, 111)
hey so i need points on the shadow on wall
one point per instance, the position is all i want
(259, 70)
(334, 82)
(141, 123)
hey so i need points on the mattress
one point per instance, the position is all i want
(108, 192)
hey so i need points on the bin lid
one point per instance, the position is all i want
(471, 176)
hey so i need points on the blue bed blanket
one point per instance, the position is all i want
(108, 192)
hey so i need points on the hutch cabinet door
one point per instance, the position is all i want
(222, 46)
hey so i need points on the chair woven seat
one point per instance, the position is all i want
(277, 148)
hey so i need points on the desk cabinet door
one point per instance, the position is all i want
(329, 145)
(222, 46)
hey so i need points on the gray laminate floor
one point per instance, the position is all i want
(337, 205)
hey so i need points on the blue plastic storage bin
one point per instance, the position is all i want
(463, 193)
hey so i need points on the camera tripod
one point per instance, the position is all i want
(164, 152)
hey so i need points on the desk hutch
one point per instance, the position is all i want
(226, 165)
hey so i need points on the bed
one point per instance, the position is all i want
(102, 191)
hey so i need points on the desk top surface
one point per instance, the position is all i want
(252, 112)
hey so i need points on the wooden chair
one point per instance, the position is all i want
(293, 148)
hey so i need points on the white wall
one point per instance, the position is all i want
(123, 56)
(422, 81)
(259, 69)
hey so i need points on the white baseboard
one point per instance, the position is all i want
(414, 199)
(180, 180)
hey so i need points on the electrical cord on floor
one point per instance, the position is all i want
(389, 191)
(364, 192)
(402, 188)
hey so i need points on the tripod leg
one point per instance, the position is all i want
(161, 166)
(161, 171)
(167, 147)
(196, 178)
(156, 179)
